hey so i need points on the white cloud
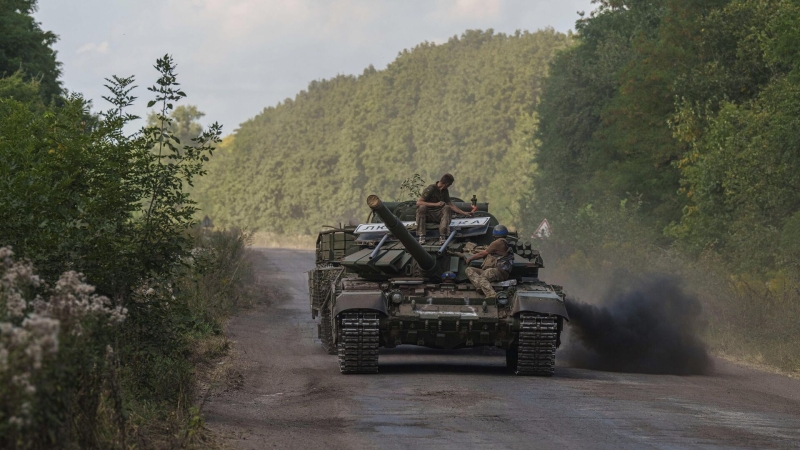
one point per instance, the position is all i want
(242, 19)
(469, 9)
(91, 47)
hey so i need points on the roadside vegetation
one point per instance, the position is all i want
(668, 142)
(110, 295)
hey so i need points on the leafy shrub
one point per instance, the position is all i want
(84, 202)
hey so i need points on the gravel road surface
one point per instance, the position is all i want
(293, 396)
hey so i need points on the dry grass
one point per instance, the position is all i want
(754, 323)
(272, 240)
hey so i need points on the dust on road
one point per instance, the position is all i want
(293, 396)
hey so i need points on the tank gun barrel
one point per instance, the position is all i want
(425, 260)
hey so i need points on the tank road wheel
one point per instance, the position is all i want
(535, 353)
(325, 330)
(358, 341)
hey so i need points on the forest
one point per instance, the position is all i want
(686, 111)
(466, 107)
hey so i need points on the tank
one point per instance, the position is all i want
(375, 286)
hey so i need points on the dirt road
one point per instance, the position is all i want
(293, 396)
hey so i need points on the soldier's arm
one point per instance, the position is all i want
(479, 255)
(458, 210)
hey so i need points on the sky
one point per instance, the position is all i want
(236, 57)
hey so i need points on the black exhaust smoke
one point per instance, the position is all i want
(651, 328)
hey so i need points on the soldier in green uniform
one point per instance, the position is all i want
(435, 205)
(497, 263)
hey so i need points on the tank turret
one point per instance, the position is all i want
(425, 260)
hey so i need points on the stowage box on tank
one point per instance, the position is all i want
(375, 286)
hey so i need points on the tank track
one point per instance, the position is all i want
(536, 351)
(325, 331)
(358, 341)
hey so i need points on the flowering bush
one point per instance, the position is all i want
(35, 320)
(81, 368)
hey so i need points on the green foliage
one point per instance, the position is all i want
(26, 48)
(167, 207)
(741, 173)
(17, 88)
(79, 194)
(464, 107)
(98, 199)
(790, 239)
(685, 113)
(686, 106)
(411, 188)
(220, 277)
(63, 192)
(184, 123)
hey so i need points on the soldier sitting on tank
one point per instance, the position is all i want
(435, 205)
(497, 263)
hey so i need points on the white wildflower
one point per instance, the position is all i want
(16, 421)
(15, 304)
(39, 305)
(44, 337)
(17, 273)
(74, 299)
(21, 380)
(118, 314)
(5, 255)
(19, 336)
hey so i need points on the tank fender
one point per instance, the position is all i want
(374, 300)
(544, 302)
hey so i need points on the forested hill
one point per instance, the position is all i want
(465, 107)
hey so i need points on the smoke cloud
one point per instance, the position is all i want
(652, 327)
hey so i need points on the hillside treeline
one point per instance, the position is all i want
(466, 107)
(687, 112)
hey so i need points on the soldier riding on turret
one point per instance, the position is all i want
(435, 205)
(497, 263)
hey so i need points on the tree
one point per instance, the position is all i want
(185, 123)
(26, 48)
